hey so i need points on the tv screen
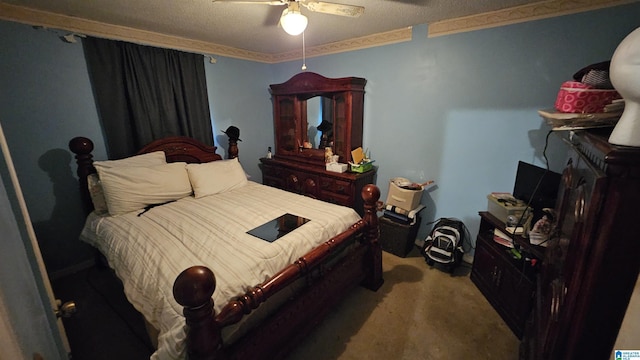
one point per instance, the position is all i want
(536, 186)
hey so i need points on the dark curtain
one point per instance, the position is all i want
(145, 93)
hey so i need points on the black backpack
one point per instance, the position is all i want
(444, 245)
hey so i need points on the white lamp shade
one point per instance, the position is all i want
(293, 22)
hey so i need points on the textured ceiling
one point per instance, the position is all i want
(254, 27)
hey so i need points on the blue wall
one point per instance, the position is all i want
(46, 100)
(239, 95)
(458, 109)
(462, 109)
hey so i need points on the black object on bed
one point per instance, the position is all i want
(278, 227)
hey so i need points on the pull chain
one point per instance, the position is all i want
(304, 65)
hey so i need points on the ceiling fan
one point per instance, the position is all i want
(293, 22)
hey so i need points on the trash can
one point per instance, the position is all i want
(396, 238)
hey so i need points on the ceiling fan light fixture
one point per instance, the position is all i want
(292, 21)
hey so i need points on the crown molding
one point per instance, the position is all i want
(115, 32)
(385, 38)
(540, 10)
(518, 14)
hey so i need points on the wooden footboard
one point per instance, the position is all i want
(276, 336)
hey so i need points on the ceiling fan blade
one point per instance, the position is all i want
(334, 9)
(274, 2)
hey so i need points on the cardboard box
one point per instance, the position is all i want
(502, 210)
(403, 198)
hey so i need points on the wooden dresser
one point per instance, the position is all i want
(591, 263)
(312, 113)
(338, 188)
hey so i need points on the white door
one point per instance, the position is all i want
(27, 303)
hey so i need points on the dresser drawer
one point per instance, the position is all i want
(272, 171)
(273, 182)
(336, 186)
(334, 198)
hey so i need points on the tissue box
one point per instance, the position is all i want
(403, 198)
(336, 167)
(361, 168)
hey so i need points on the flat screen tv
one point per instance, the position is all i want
(536, 186)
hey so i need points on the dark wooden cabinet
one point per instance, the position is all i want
(300, 106)
(508, 282)
(591, 263)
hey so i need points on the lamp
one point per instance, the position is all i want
(292, 21)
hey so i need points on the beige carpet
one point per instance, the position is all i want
(419, 313)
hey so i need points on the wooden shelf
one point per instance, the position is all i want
(578, 121)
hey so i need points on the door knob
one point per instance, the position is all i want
(65, 310)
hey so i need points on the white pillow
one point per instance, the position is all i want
(149, 159)
(216, 177)
(93, 181)
(128, 189)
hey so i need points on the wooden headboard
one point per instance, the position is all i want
(181, 148)
(176, 149)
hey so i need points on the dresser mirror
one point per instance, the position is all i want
(320, 122)
(314, 118)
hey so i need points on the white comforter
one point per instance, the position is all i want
(149, 251)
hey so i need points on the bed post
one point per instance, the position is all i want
(193, 289)
(234, 136)
(370, 195)
(233, 149)
(82, 147)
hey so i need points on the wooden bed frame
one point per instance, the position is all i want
(326, 283)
